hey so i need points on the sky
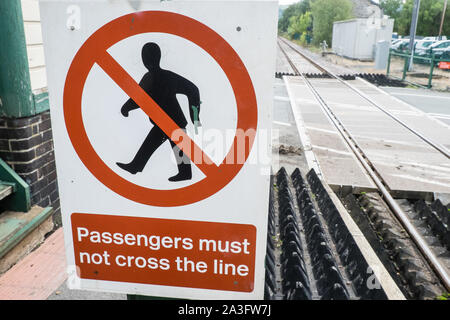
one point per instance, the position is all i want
(283, 2)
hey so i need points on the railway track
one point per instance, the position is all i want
(311, 254)
(331, 74)
(412, 237)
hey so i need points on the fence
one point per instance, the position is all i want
(432, 60)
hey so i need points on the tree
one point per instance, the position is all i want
(300, 25)
(430, 14)
(324, 13)
(296, 9)
(392, 8)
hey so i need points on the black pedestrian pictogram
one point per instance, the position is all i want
(163, 86)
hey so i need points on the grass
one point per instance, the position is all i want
(311, 47)
(444, 296)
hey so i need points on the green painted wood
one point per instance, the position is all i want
(20, 200)
(41, 102)
(430, 58)
(433, 61)
(405, 68)
(14, 227)
(15, 85)
(430, 76)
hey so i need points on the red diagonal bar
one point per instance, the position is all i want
(154, 111)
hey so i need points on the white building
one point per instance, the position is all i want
(357, 38)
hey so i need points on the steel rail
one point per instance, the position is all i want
(296, 71)
(429, 255)
(432, 143)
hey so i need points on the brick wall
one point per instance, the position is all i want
(26, 144)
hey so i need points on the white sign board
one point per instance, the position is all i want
(161, 113)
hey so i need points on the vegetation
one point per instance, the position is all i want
(325, 13)
(430, 14)
(444, 296)
(300, 27)
(312, 20)
(294, 10)
(392, 8)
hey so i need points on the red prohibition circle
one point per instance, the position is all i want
(94, 50)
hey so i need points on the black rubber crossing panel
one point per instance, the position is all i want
(310, 253)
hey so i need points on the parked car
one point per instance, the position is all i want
(446, 54)
(435, 38)
(401, 45)
(436, 48)
(439, 48)
(423, 45)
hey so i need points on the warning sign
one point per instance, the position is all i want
(444, 65)
(167, 116)
(161, 114)
(166, 252)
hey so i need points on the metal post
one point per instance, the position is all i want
(430, 76)
(442, 20)
(412, 32)
(405, 67)
(15, 86)
(389, 64)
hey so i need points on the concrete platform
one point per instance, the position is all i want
(284, 133)
(415, 118)
(435, 104)
(339, 167)
(38, 274)
(42, 274)
(411, 167)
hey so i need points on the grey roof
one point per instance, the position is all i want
(366, 9)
